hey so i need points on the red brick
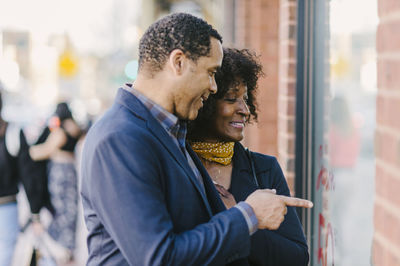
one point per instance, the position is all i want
(392, 230)
(269, 22)
(380, 188)
(378, 254)
(387, 225)
(292, 70)
(388, 74)
(288, 32)
(268, 130)
(286, 144)
(379, 218)
(288, 13)
(392, 259)
(388, 110)
(387, 148)
(287, 50)
(290, 181)
(386, 7)
(388, 37)
(287, 106)
(388, 185)
(286, 125)
(287, 88)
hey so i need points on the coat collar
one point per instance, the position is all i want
(242, 181)
(242, 163)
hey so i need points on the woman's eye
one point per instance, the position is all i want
(230, 100)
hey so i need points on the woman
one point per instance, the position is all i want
(215, 136)
(61, 138)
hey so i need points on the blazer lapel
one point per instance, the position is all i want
(138, 109)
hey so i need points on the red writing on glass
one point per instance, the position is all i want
(325, 179)
(323, 249)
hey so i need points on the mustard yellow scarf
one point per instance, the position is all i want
(221, 152)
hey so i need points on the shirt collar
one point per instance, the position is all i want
(169, 121)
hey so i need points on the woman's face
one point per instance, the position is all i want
(231, 115)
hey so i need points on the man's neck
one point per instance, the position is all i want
(156, 89)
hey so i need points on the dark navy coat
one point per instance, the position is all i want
(286, 246)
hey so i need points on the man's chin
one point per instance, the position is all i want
(192, 115)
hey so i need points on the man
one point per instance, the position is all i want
(147, 198)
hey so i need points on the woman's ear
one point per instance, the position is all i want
(177, 61)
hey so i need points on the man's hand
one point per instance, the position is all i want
(270, 209)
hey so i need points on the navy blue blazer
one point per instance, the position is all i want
(142, 203)
(285, 246)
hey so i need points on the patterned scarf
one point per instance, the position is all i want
(220, 152)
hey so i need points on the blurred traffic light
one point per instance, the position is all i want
(68, 64)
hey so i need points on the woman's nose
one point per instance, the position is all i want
(243, 108)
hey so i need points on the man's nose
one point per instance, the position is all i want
(213, 86)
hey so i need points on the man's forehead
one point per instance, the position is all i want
(216, 51)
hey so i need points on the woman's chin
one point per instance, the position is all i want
(233, 138)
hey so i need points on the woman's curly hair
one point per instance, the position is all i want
(238, 66)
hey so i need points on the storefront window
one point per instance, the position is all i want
(339, 127)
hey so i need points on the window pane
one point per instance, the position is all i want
(344, 162)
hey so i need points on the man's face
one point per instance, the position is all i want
(198, 82)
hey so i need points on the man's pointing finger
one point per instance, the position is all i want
(296, 202)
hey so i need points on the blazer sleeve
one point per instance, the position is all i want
(287, 245)
(128, 198)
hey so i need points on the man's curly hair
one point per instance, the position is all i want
(176, 31)
(238, 66)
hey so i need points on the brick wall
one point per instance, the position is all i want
(386, 249)
(257, 28)
(286, 88)
(268, 27)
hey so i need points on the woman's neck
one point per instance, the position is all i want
(219, 173)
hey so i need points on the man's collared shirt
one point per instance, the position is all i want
(177, 130)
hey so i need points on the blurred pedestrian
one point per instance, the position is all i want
(16, 167)
(61, 137)
(215, 136)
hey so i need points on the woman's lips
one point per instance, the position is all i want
(237, 124)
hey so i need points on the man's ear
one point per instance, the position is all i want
(177, 61)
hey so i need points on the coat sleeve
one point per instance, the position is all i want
(286, 246)
(127, 195)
